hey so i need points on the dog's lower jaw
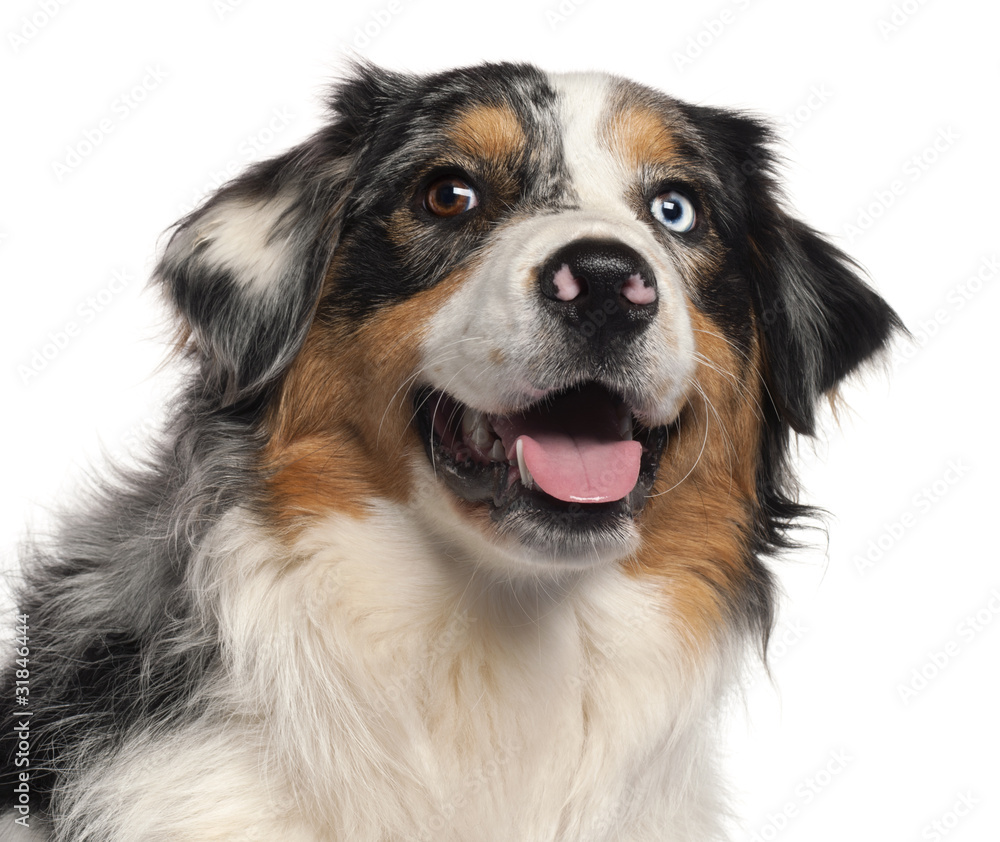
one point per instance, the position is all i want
(518, 547)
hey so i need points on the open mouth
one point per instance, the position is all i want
(566, 475)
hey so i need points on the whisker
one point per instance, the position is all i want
(441, 395)
(740, 352)
(696, 461)
(730, 447)
(403, 386)
(742, 388)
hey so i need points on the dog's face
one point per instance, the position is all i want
(559, 320)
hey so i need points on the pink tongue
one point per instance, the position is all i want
(581, 470)
(574, 449)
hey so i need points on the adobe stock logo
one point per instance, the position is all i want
(557, 15)
(378, 21)
(700, 42)
(925, 330)
(944, 824)
(938, 660)
(223, 8)
(58, 340)
(921, 505)
(815, 101)
(914, 169)
(121, 108)
(32, 25)
(253, 146)
(805, 793)
(902, 14)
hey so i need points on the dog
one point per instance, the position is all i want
(459, 528)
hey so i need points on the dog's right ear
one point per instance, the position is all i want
(245, 269)
(818, 319)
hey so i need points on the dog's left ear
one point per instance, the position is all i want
(244, 271)
(818, 319)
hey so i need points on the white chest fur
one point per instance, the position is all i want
(377, 690)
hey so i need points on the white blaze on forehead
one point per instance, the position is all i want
(598, 178)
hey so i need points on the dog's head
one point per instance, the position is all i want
(558, 319)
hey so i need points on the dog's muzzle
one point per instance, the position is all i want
(568, 472)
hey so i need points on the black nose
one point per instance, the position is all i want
(600, 287)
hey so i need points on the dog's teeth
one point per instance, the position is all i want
(498, 454)
(477, 429)
(471, 419)
(625, 423)
(526, 479)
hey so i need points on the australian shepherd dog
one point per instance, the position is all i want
(458, 528)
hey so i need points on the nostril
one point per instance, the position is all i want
(638, 291)
(568, 286)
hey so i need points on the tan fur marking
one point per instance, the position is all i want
(639, 135)
(489, 132)
(696, 525)
(341, 433)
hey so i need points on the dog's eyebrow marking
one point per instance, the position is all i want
(492, 132)
(639, 135)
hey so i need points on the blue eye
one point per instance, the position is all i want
(675, 211)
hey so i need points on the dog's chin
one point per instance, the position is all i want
(485, 474)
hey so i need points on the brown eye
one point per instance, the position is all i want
(450, 196)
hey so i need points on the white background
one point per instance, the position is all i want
(859, 89)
